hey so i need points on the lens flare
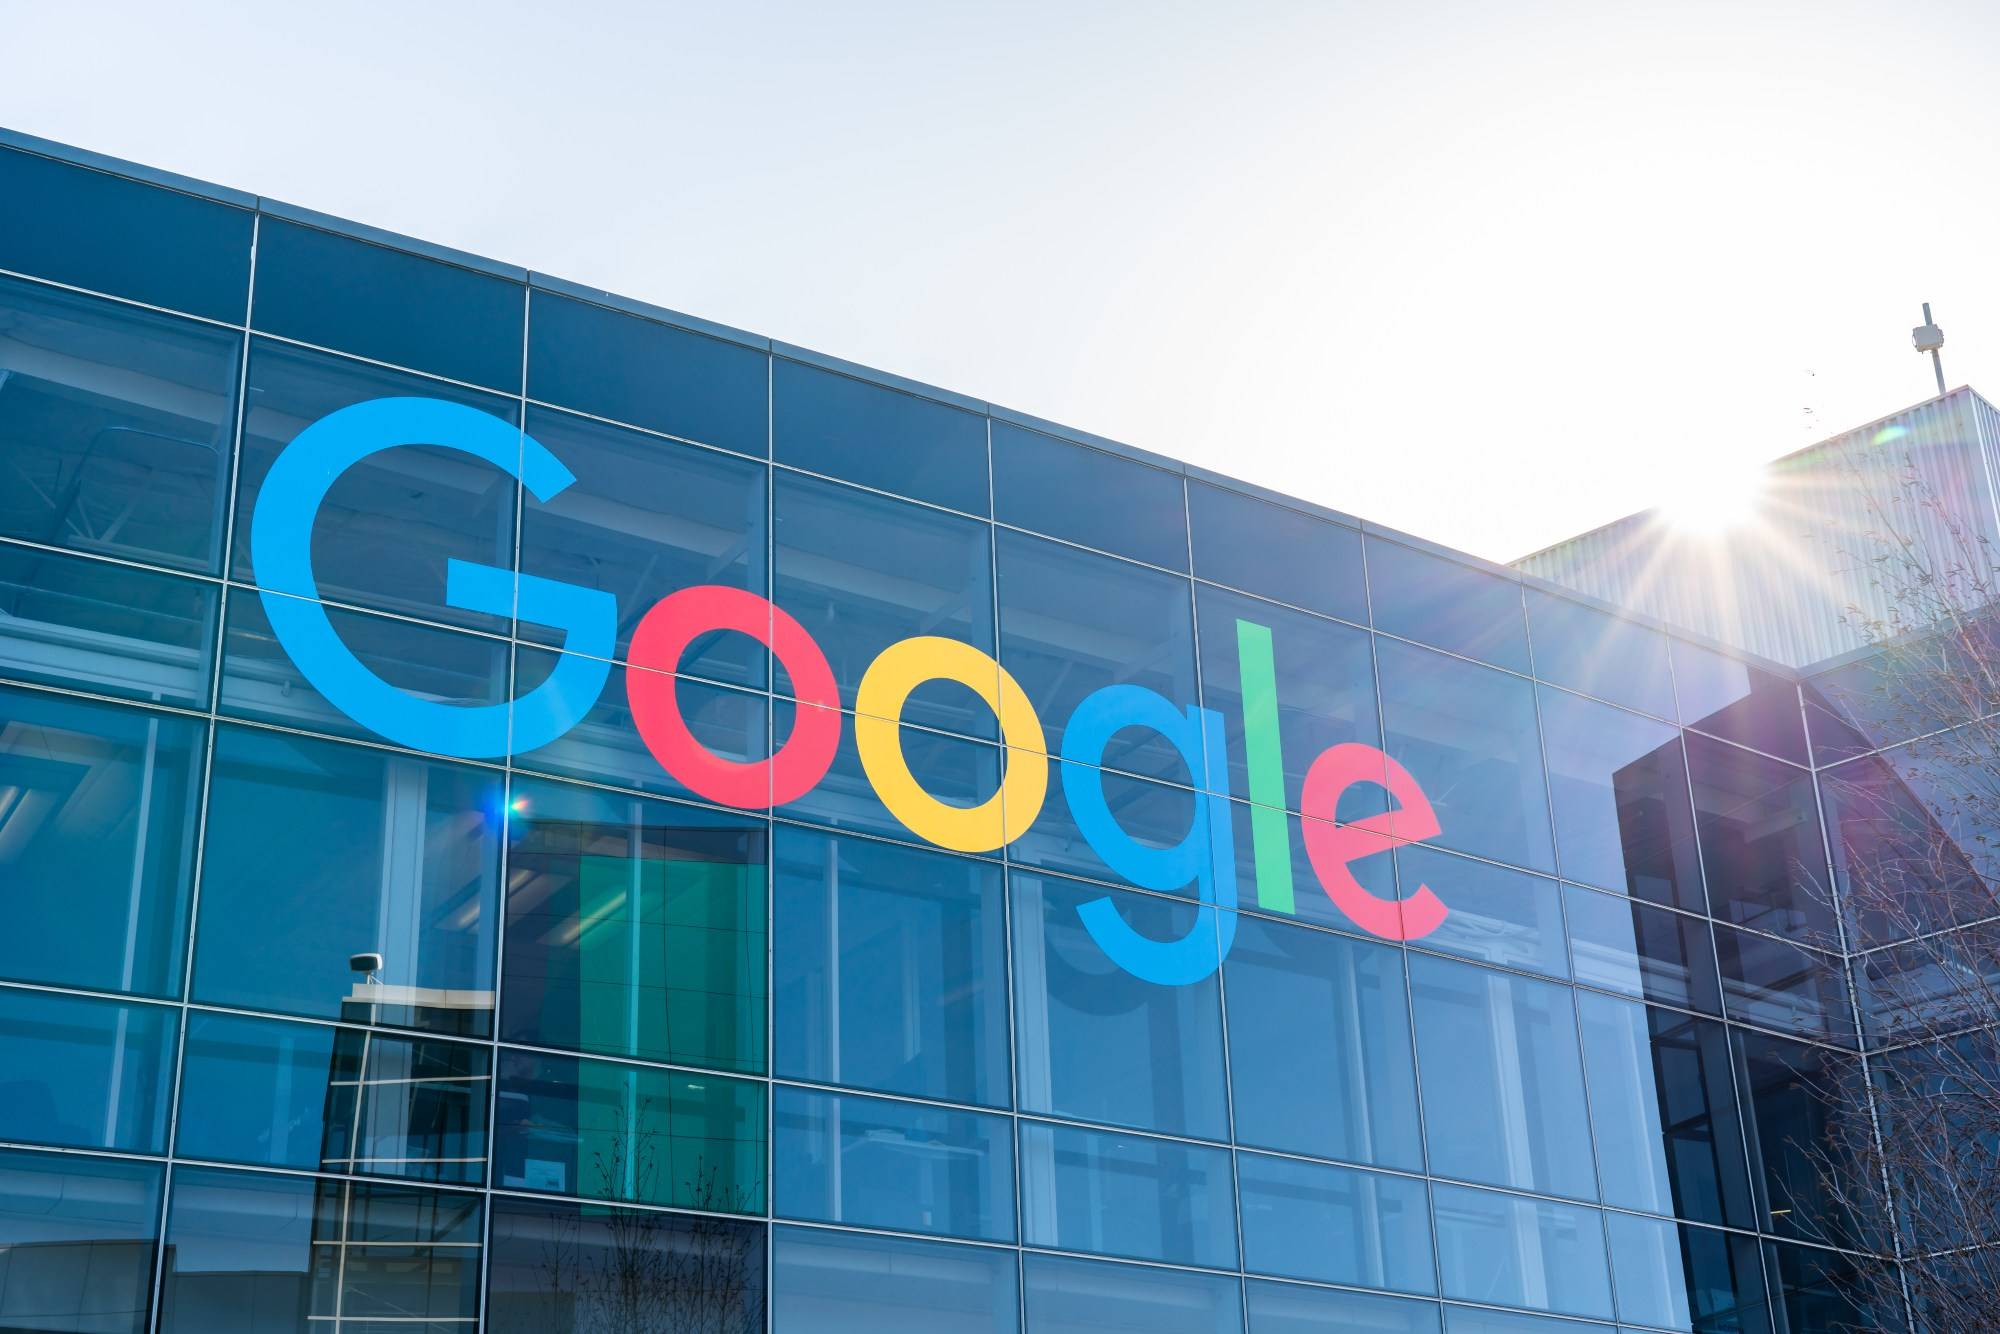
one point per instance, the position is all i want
(1715, 497)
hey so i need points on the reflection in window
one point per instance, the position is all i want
(1156, 814)
(1498, 915)
(1620, 791)
(1599, 654)
(1737, 702)
(1286, 1308)
(890, 968)
(1096, 1043)
(1088, 496)
(114, 428)
(1440, 602)
(108, 628)
(853, 1283)
(1513, 1251)
(251, 1253)
(1277, 552)
(954, 770)
(1319, 1045)
(1640, 951)
(403, 862)
(1775, 984)
(880, 437)
(97, 816)
(1127, 1195)
(1760, 841)
(1065, 1296)
(1502, 1082)
(634, 928)
(1794, 1095)
(561, 1268)
(1690, 1278)
(1335, 1225)
(609, 1131)
(1816, 1289)
(83, 1073)
(76, 1241)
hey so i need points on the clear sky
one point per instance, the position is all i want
(1491, 273)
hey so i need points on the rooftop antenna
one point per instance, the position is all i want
(1929, 338)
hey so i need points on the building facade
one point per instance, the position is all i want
(520, 811)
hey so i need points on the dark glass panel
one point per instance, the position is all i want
(1087, 496)
(890, 968)
(904, 1166)
(82, 1073)
(609, 1131)
(1797, 1099)
(97, 836)
(653, 375)
(1287, 1308)
(1640, 951)
(877, 436)
(1277, 552)
(1814, 1290)
(388, 305)
(1672, 1276)
(403, 861)
(1776, 984)
(1127, 1195)
(852, 1283)
(1468, 735)
(1502, 1081)
(1599, 654)
(954, 770)
(92, 229)
(1619, 786)
(1514, 1251)
(1065, 1296)
(1319, 1045)
(647, 517)
(1737, 702)
(114, 427)
(76, 1243)
(561, 1268)
(111, 629)
(1760, 841)
(634, 928)
(1473, 613)
(1498, 915)
(1942, 983)
(1335, 1225)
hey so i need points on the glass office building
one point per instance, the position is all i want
(521, 811)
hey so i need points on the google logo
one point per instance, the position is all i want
(281, 548)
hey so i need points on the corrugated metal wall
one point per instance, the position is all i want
(1798, 581)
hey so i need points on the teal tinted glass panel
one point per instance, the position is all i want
(609, 1131)
(81, 1073)
(882, 438)
(634, 928)
(1503, 1082)
(112, 234)
(110, 629)
(1437, 601)
(1087, 496)
(1276, 552)
(1286, 1308)
(1513, 1251)
(77, 1240)
(853, 1283)
(1126, 1195)
(903, 1166)
(890, 968)
(404, 862)
(98, 806)
(388, 305)
(648, 374)
(1619, 787)
(1335, 1224)
(1599, 654)
(1672, 1276)
(1498, 915)
(1640, 951)
(114, 427)
(1065, 1296)
(1319, 1045)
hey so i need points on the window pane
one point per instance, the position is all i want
(608, 1131)
(1319, 1045)
(404, 862)
(1473, 613)
(634, 370)
(647, 517)
(1481, 1320)
(1335, 1225)
(1816, 1289)
(1600, 654)
(1088, 496)
(1663, 1106)
(870, 1162)
(1150, 813)
(388, 305)
(1691, 1278)
(861, 572)
(634, 928)
(114, 428)
(1738, 702)
(92, 229)
(1092, 1297)
(391, 522)
(890, 966)
(1620, 791)
(106, 628)
(1277, 552)
(955, 770)
(1793, 1096)
(877, 436)
(1468, 736)
(86, 1074)
(1911, 850)
(76, 1242)
(1502, 1083)
(98, 803)
(1093, 1041)
(1775, 984)
(1648, 953)
(1072, 622)
(1126, 1195)
(850, 1283)
(1760, 841)
(586, 1269)
(1283, 1308)
(281, 1094)
(1520, 1252)
(1498, 916)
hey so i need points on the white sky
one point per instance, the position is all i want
(1492, 273)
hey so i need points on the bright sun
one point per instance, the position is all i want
(1712, 499)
